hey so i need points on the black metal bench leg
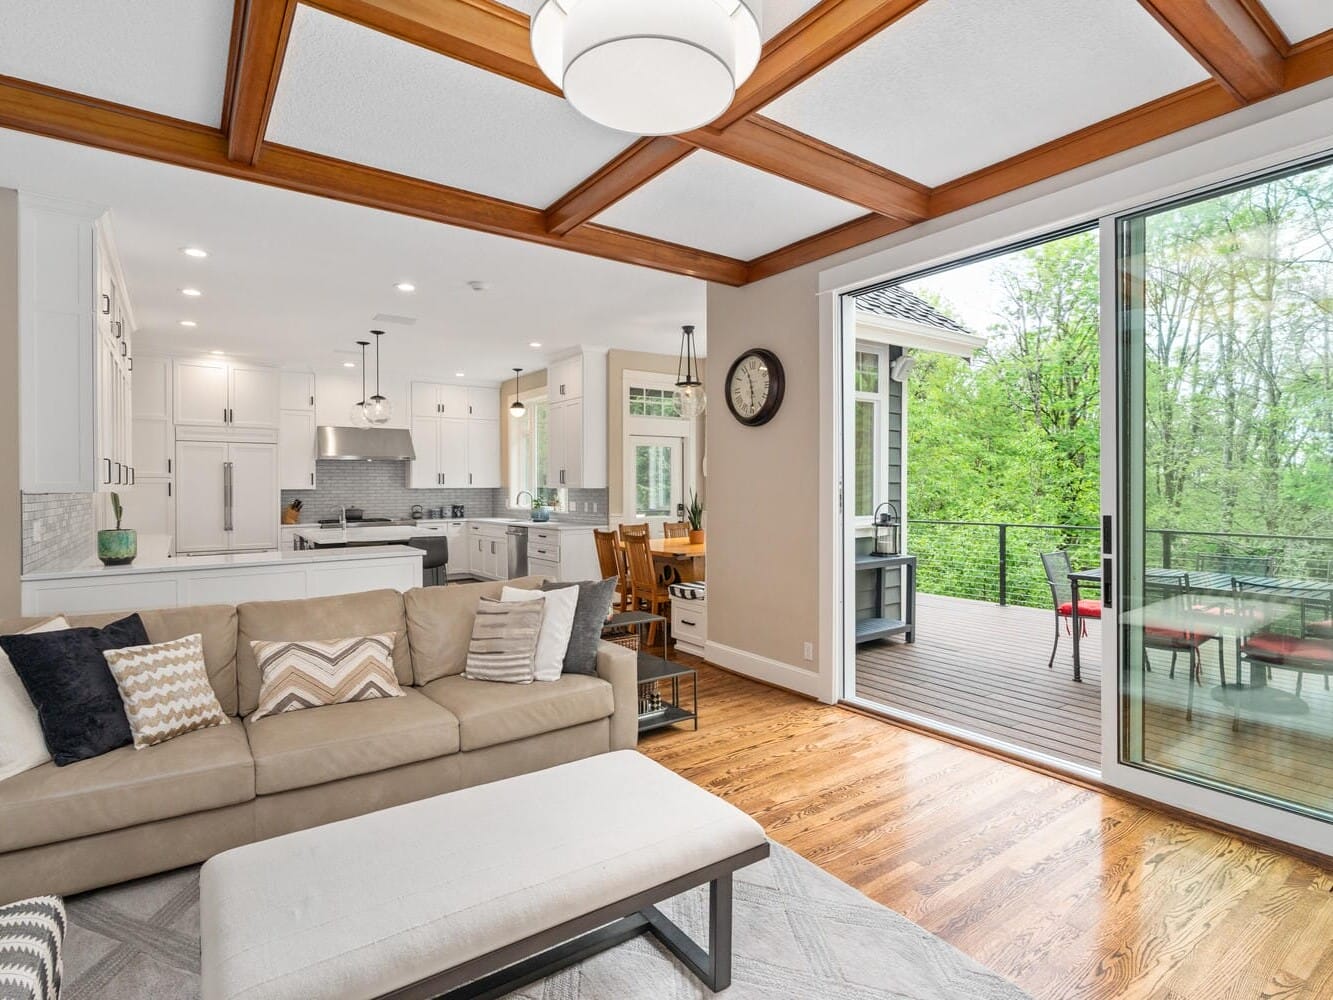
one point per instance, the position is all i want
(713, 968)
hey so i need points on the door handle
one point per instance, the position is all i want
(119, 467)
(168, 467)
(106, 304)
(312, 479)
(226, 496)
(108, 471)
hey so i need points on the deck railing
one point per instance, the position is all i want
(1000, 561)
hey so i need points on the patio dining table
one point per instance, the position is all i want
(1215, 584)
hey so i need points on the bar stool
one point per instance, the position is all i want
(435, 561)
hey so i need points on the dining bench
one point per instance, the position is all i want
(476, 892)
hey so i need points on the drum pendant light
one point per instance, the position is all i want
(650, 67)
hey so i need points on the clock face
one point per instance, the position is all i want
(755, 386)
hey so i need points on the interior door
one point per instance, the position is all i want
(254, 496)
(656, 477)
(200, 392)
(199, 499)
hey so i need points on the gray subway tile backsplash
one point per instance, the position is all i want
(59, 530)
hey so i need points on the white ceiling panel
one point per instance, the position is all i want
(960, 84)
(712, 203)
(777, 13)
(1301, 19)
(167, 56)
(360, 95)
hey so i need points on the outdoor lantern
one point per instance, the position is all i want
(888, 528)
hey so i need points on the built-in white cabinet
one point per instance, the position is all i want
(154, 433)
(460, 561)
(296, 391)
(226, 496)
(488, 551)
(75, 356)
(296, 450)
(456, 436)
(576, 422)
(150, 507)
(214, 397)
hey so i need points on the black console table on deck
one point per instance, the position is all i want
(880, 627)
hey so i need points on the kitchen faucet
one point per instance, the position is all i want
(520, 497)
(342, 517)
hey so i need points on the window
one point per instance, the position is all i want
(645, 401)
(871, 481)
(658, 476)
(660, 453)
(528, 451)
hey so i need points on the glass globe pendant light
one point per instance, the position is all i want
(516, 408)
(651, 67)
(379, 410)
(357, 417)
(690, 397)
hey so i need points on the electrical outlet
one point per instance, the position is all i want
(809, 650)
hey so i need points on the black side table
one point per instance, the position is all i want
(656, 712)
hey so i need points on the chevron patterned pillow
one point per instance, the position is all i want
(32, 936)
(311, 673)
(166, 690)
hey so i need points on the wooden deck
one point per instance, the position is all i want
(982, 668)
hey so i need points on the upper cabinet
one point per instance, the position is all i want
(154, 434)
(296, 391)
(483, 404)
(75, 355)
(221, 399)
(433, 399)
(456, 436)
(576, 425)
(296, 431)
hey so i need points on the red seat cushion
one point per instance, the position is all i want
(1323, 629)
(1272, 647)
(1089, 607)
(1176, 636)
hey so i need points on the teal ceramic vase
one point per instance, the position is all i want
(541, 514)
(117, 546)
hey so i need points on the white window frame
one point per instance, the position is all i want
(686, 429)
(879, 490)
(524, 429)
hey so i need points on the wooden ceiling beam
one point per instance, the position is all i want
(482, 33)
(41, 110)
(264, 27)
(821, 245)
(1227, 39)
(637, 165)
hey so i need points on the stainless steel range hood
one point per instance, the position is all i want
(365, 444)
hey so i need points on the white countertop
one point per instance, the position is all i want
(385, 533)
(543, 525)
(183, 564)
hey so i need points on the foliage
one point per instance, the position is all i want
(117, 509)
(695, 512)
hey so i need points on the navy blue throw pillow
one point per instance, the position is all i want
(590, 614)
(78, 704)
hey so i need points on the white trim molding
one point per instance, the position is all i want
(761, 668)
(904, 333)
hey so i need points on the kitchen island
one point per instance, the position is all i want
(233, 578)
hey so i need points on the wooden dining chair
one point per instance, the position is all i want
(612, 563)
(648, 592)
(636, 530)
(676, 529)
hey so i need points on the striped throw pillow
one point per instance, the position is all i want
(165, 689)
(504, 641)
(32, 938)
(311, 673)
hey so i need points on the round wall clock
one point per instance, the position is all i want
(755, 386)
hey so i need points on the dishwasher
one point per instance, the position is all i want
(517, 537)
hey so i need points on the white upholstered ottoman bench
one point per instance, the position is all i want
(477, 892)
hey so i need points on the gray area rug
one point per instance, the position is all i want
(799, 933)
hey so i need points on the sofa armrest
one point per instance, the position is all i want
(620, 666)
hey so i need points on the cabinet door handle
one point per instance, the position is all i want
(108, 471)
(117, 473)
(168, 467)
(226, 496)
(106, 304)
(312, 479)
(132, 476)
(131, 364)
(224, 414)
(168, 489)
(124, 351)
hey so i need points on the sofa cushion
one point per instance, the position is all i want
(318, 618)
(439, 624)
(298, 749)
(203, 770)
(490, 714)
(215, 622)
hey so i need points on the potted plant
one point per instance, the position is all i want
(542, 507)
(117, 546)
(695, 514)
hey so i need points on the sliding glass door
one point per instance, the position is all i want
(1224, 487)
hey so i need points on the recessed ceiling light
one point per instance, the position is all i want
(194, 252)
(535, 343)
(193, 293)
(460, 374)
(405, 286)
(349, 364)
(214, 352)
(189, 323)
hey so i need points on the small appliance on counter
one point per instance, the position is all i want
(418, 512)
(457, 511)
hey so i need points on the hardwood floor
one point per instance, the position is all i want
(1069, 892)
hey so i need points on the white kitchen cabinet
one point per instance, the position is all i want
(226, 496)
(423, 473)
(75, 331)
(459, 558)
(488, 551)
(483, 404)
(150, 507)
(154, 433)
(439, 399)
(296, 391)
(296, 449)
(220, 398)
(456, 453)
(453, 452)
(576, 422)
(483, 453)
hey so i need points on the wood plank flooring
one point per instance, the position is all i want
(1069, 892)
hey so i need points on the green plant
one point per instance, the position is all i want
(117, 509)
(695, 512)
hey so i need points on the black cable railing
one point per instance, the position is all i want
(1000, 561)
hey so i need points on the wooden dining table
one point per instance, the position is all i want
(687, 557)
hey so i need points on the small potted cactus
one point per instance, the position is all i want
(117, 546)
(695, 514)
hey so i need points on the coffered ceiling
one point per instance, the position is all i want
(864, 116)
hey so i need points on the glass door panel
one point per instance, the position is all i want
(1225, 317)
(659, 477)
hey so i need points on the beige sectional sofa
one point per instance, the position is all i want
(132, 812)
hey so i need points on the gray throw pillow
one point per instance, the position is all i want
(594, 607)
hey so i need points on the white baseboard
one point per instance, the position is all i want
(761, 668)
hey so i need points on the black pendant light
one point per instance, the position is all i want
(690, 397)
(379, 410)
(516, 408)
(358, 415)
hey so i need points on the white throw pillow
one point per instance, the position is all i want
(22, 745)
(557, 626)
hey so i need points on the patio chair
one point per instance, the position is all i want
(1284, 641)
(1234, 565)
(1178, 631)
(1058, 568)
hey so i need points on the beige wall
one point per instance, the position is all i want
(11, 529)
(763, 556)
(617, 363)
(531, 381)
